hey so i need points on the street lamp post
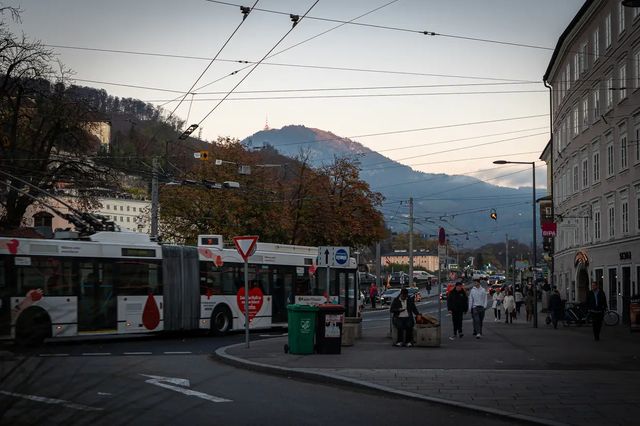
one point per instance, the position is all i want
(535, 257)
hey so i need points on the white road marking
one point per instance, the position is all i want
(104, 394)
(177, 353)
(273, 335)
(173, 384)
(137, 353)
(52, 355)
(53, 401)
(96, 354)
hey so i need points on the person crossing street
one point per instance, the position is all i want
(477, 304)
(457, 304)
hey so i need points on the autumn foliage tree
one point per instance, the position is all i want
(282, 200)
(45, 134)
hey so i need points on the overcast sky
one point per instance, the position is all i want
(199, 28)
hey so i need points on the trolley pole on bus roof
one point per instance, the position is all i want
(246, 246)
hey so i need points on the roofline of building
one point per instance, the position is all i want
(564, 35)
(546, 149)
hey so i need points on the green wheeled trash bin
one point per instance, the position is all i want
(302, 329)
(329, 329)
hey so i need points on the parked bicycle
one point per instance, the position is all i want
(577, 314)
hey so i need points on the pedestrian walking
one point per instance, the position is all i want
(519, 299)
(457, 304)
(477, 304)
(509, 304)
(555, 307)
(529, 302)
(373, 293)
(496, 304)
(596, 304)
(403, 309)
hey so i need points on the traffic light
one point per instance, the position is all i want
(493, 215)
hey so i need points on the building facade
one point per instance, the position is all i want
(595, 152)
(128, 214)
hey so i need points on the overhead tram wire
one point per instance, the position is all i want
(419, 129)
(303, 90)
(298, 44)
(321, 67)
(295, 23)
(399, 29)
(448, 151)
(244, 18)
(356, 96)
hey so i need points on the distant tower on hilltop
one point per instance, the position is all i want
(266, 122)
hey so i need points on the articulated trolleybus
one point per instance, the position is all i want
(120, 283)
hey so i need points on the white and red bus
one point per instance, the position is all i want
(279, 275)
(119, 282)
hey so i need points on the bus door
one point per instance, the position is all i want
(5, 294)
(282, 293)
(97, 306)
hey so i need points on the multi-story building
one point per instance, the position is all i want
(595, 152)
(128, 214)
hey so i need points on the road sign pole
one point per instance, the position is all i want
(246, 302)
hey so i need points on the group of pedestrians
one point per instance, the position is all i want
(509, 301)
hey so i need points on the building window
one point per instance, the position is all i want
(121, 208)
(576, 66)
(134, 209)
(585, 173)
(622, 88)
(576, 179)
(608, 87)
(636, 69)
(610, 159)
(612, 221)
(638, 213)
(637, 144)
(576, 125)
(623, 149)
(128, 208)
(596, 44)
(43, 219)
(636, 12)
(584, 64)
(596, 224)
(585, 230)
(596, 104)
(607, 31)
(625, 216)
(128, 219)
(596, 167)
(620, 18)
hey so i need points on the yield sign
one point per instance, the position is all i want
(246, 245)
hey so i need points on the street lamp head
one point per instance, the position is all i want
(500, 162)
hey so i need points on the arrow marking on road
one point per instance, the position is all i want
(174, 383)
(53, 401)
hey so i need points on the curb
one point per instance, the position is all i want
(328, 378)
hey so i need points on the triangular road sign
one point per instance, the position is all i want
(246, 245)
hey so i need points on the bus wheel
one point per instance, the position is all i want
(32, 327)
(221, 321)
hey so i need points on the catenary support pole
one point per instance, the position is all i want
(154, 199)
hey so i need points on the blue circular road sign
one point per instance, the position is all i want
(341, 256)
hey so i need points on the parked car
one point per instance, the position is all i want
(399, 279)
(387, 297)
(445, 292)
(422, 276)
(496, 279)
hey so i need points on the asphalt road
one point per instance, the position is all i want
(173, 380)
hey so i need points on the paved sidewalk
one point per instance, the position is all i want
(539, 375)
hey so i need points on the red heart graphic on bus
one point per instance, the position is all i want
(256, 298)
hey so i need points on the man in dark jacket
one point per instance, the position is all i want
(457, 304)
(555, 307)
(596, 304)
(403, 309)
